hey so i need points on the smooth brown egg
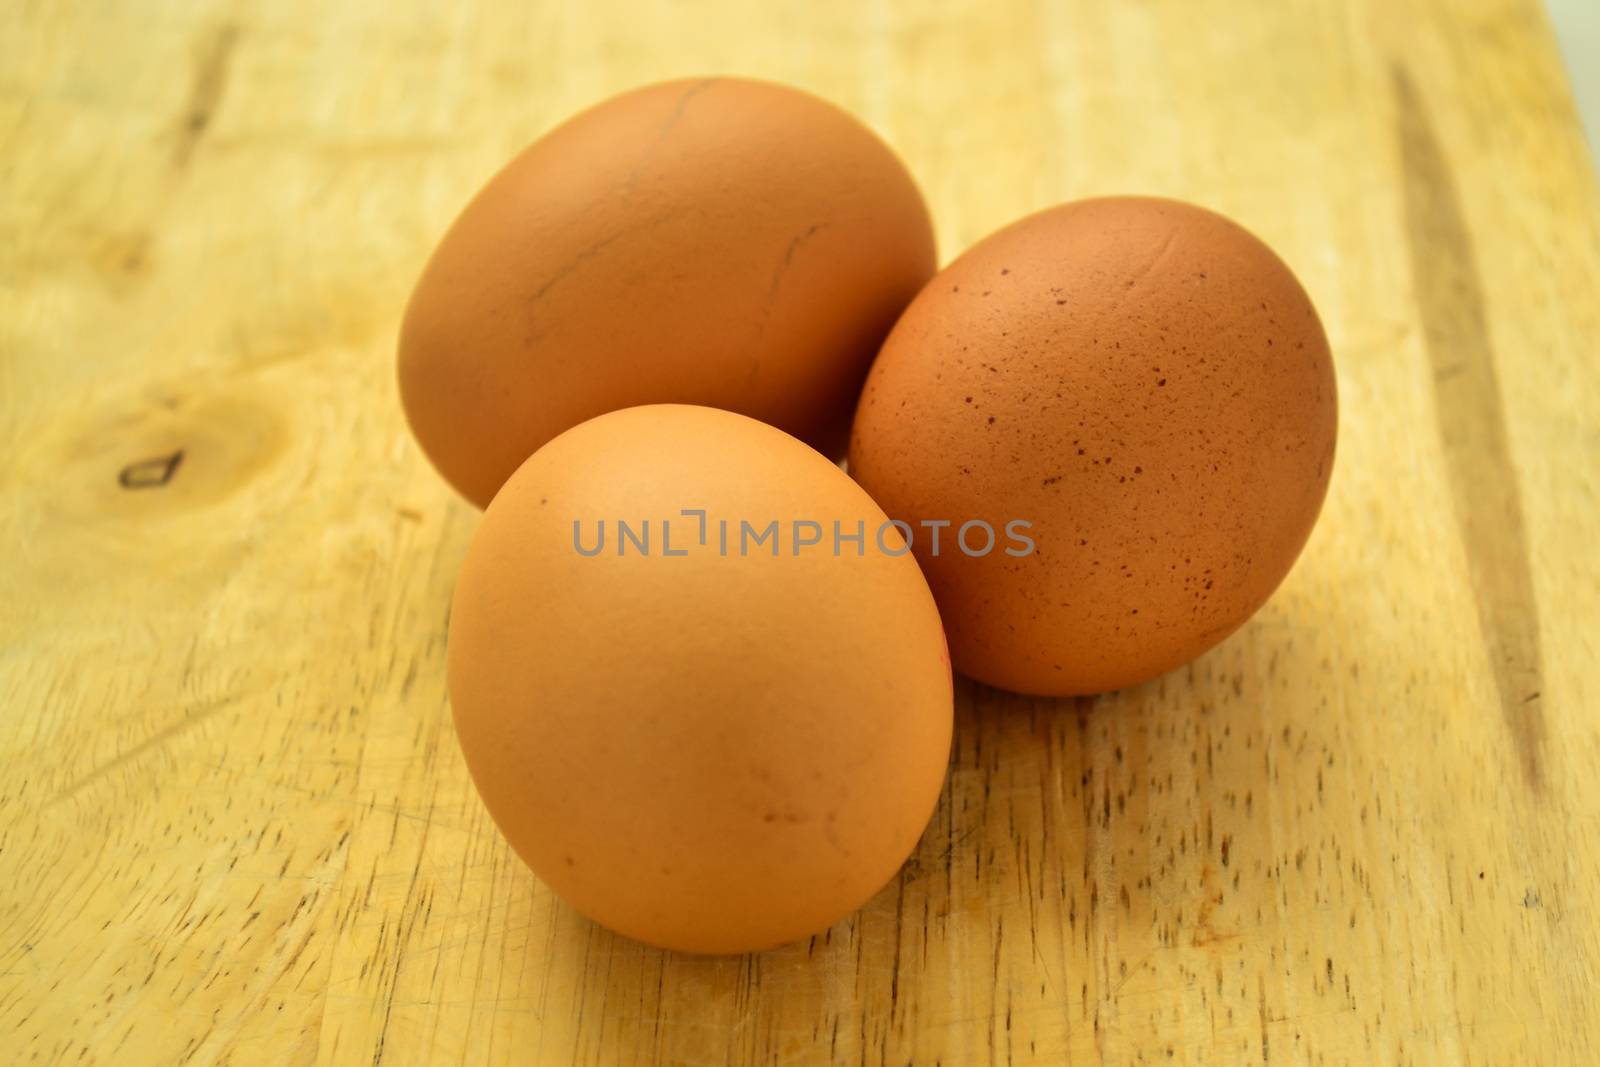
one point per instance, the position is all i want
(719, 241)
(1144, 382)
(699, 735)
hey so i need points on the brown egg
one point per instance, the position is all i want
(700, 736)
(1146, 384)
(719, 241)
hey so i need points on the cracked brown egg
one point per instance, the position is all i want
(701, 701)
(717, 241)
(1144, 383)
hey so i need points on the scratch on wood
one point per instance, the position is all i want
(1470, 412)
(195, 716)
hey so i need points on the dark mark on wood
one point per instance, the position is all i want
(151, 473)
(213, 56)
(1261, 1012)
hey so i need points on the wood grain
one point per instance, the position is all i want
(234, 824)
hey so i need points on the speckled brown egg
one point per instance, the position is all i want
(718, 241)
(1144, 382)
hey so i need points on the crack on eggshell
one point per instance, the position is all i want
(789, 254)
(678, 110)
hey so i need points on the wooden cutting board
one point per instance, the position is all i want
(234, 823)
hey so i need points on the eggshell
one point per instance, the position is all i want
(708, 752)
(718, 241)
(1149, 386)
